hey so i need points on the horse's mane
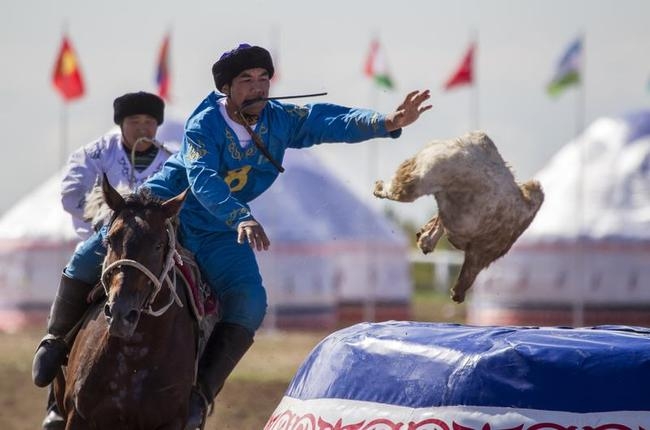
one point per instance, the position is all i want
(97, 212)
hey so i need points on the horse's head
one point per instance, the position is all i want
(139, 249)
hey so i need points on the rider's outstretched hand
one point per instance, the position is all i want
(409, 111)
(252, 232)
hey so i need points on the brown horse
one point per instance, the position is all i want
(132, 365)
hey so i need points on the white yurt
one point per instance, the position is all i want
(585, 259)
(333, 259)
(36, 240)
(329, 251)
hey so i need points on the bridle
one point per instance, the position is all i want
(164, 278)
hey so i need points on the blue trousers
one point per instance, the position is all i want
(229, 268)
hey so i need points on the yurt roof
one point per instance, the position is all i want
(598, 185)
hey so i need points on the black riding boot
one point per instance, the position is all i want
(226, 346)
(68, 308)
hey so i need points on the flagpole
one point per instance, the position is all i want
(64, 118)
(581, 95)
(369, 307)
(475, 100)
(64, 134)
(579, 302)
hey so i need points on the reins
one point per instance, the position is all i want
(154, 142)
(172, 257)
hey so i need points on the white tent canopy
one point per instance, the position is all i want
(329, 249)
(598, 186)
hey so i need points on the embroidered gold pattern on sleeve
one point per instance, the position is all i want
(195, 151)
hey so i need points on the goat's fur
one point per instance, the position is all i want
(480, 206)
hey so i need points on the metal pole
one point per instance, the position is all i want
(475, 100)
(370, 303)
(63, 149)
(582, 275)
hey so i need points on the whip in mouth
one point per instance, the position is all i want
(263, 99)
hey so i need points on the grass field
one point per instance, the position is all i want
(246, 402)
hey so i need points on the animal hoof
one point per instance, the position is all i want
(424, 244)
(379, 189)
(425, 249)
(457, 297)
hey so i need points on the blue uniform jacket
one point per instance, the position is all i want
(224, 177)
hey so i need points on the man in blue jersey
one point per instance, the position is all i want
(232, 152)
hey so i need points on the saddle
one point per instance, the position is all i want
(200, 296)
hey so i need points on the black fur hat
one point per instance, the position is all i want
(138, 104)
(232, 63)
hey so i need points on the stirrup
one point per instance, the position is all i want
(53, 421)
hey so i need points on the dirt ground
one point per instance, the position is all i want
(246, 402)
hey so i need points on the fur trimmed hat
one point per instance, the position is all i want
(140, 103)
(243, 57)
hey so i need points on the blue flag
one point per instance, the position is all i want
(568, 69)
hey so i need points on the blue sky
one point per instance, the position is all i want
(321, 46)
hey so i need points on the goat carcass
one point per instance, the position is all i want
(480, 206)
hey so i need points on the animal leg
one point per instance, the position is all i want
(381, 190)
(468, 272)
(403, 186)
(429, 235)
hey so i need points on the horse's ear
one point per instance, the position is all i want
(173, 205)
(112, 198)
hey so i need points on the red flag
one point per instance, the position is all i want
(465, 73)
(162, 74)
(67, 75)
(376, 66)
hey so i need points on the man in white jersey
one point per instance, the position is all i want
(128, 156)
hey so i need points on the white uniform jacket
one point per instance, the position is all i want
(85, 168)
